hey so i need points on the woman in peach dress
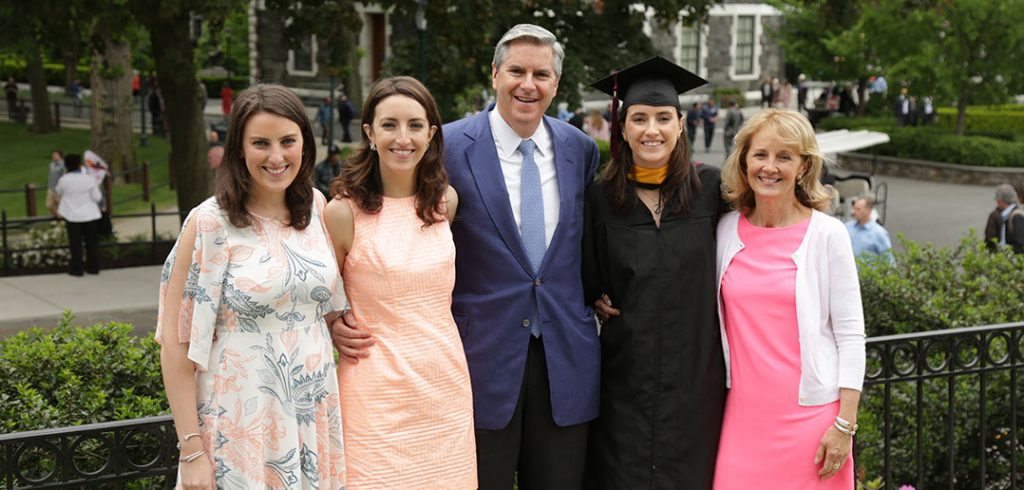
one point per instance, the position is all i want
(245, 352)
(407, 407)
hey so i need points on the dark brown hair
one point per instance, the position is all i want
(678, 189)
(360, 175)
(233, 180)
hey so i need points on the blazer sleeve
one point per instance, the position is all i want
(1018, 232)
(846, 311)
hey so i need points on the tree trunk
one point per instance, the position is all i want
(961, 114)
(42, 121)
(168, 25)
(111, 115)
(70, 57)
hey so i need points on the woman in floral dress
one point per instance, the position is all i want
(246, 357)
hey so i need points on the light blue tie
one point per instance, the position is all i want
(531, 215)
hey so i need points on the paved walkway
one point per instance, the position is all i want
(923, 211)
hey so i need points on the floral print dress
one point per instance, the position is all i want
(252, 314)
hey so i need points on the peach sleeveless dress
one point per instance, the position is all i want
(407, 409)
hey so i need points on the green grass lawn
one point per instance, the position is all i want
(26, 159)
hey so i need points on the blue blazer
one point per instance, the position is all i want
(496, 291)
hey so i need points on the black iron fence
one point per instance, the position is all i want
(136, 453)
(23, 251)
(939, 410)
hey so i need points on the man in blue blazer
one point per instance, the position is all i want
(534, 389)
(531, 341)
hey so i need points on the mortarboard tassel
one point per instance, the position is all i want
(615, 117)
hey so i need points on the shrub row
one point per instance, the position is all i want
(989, 149)
(54, 72)
(998, 119)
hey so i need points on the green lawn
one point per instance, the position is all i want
(27, 157)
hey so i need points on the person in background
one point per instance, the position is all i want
(692, 123)
(56, 171)
(226, 94)
(649, 269)
(76, 96)
(868, 237)
(80, 209)
(214, 156)
(578, 116)
(11, 93)
(801, 93)
(791, 316)
(346, 112)
(596, 127)
(325, 117)
(709, 114)
(327, 170)
(733, 121)
(1008, 229)
(245, 352)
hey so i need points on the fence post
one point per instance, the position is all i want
(30, 200)
(7, 253)
(56, 114)
(170, 172)
(145, 180)
(152, 230)
(108, 193)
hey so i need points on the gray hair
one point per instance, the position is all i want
(867, 200)
(1006, 193)
(534, 34)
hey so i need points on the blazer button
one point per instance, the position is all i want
(526, 322)
(536, 283)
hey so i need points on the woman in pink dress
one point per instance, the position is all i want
(407, 407)
(790, 313)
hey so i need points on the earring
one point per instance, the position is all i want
(373, 146)
(428, 146)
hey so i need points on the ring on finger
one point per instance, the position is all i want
(835, 467)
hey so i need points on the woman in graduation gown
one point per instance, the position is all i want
(649, 271)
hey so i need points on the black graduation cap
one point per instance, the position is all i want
(655, 81)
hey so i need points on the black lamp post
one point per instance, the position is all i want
(421, 26)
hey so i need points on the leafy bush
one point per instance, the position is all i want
(929, 288)
(995, 119)
(54, 72)
(78, 375)
(52, 234)
(213, 84)
(725, 94)
(995, 149)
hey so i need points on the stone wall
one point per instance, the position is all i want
(929, 171)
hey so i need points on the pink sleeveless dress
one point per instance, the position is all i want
(767, 437)
(407, 409)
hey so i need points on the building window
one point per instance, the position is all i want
(689, 50)
(744, 61)
(302, 61)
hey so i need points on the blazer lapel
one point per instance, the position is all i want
(485, 166)
(565, 174)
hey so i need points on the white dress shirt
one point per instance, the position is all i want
(507, 143)
(79, 197)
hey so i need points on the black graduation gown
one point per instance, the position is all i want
(662, 369)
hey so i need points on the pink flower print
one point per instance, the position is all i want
(248, 285)
(241, 253)
(289, 338)
(313, 361)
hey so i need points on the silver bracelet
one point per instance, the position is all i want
(843, 422)
(192, 457)
(186, 438)
(850, 432)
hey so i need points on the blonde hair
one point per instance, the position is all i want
(790, 128)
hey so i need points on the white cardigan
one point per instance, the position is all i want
(828, 307)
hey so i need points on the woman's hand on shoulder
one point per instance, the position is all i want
(339, 220)
(451, 203)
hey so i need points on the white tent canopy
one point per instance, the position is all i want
(844, 140)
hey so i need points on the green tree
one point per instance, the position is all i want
(110, 27)
(225, 43)
(457, 48)
(172, 49)
(21, 27)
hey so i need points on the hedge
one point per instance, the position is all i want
(213, 84)
(995, 149)
(998, 119)
(54, 72)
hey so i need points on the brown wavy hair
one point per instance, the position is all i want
(233, 180)
(360, 175)
(791, 128)
(678, 189)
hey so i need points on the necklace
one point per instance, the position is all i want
(651, 198)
